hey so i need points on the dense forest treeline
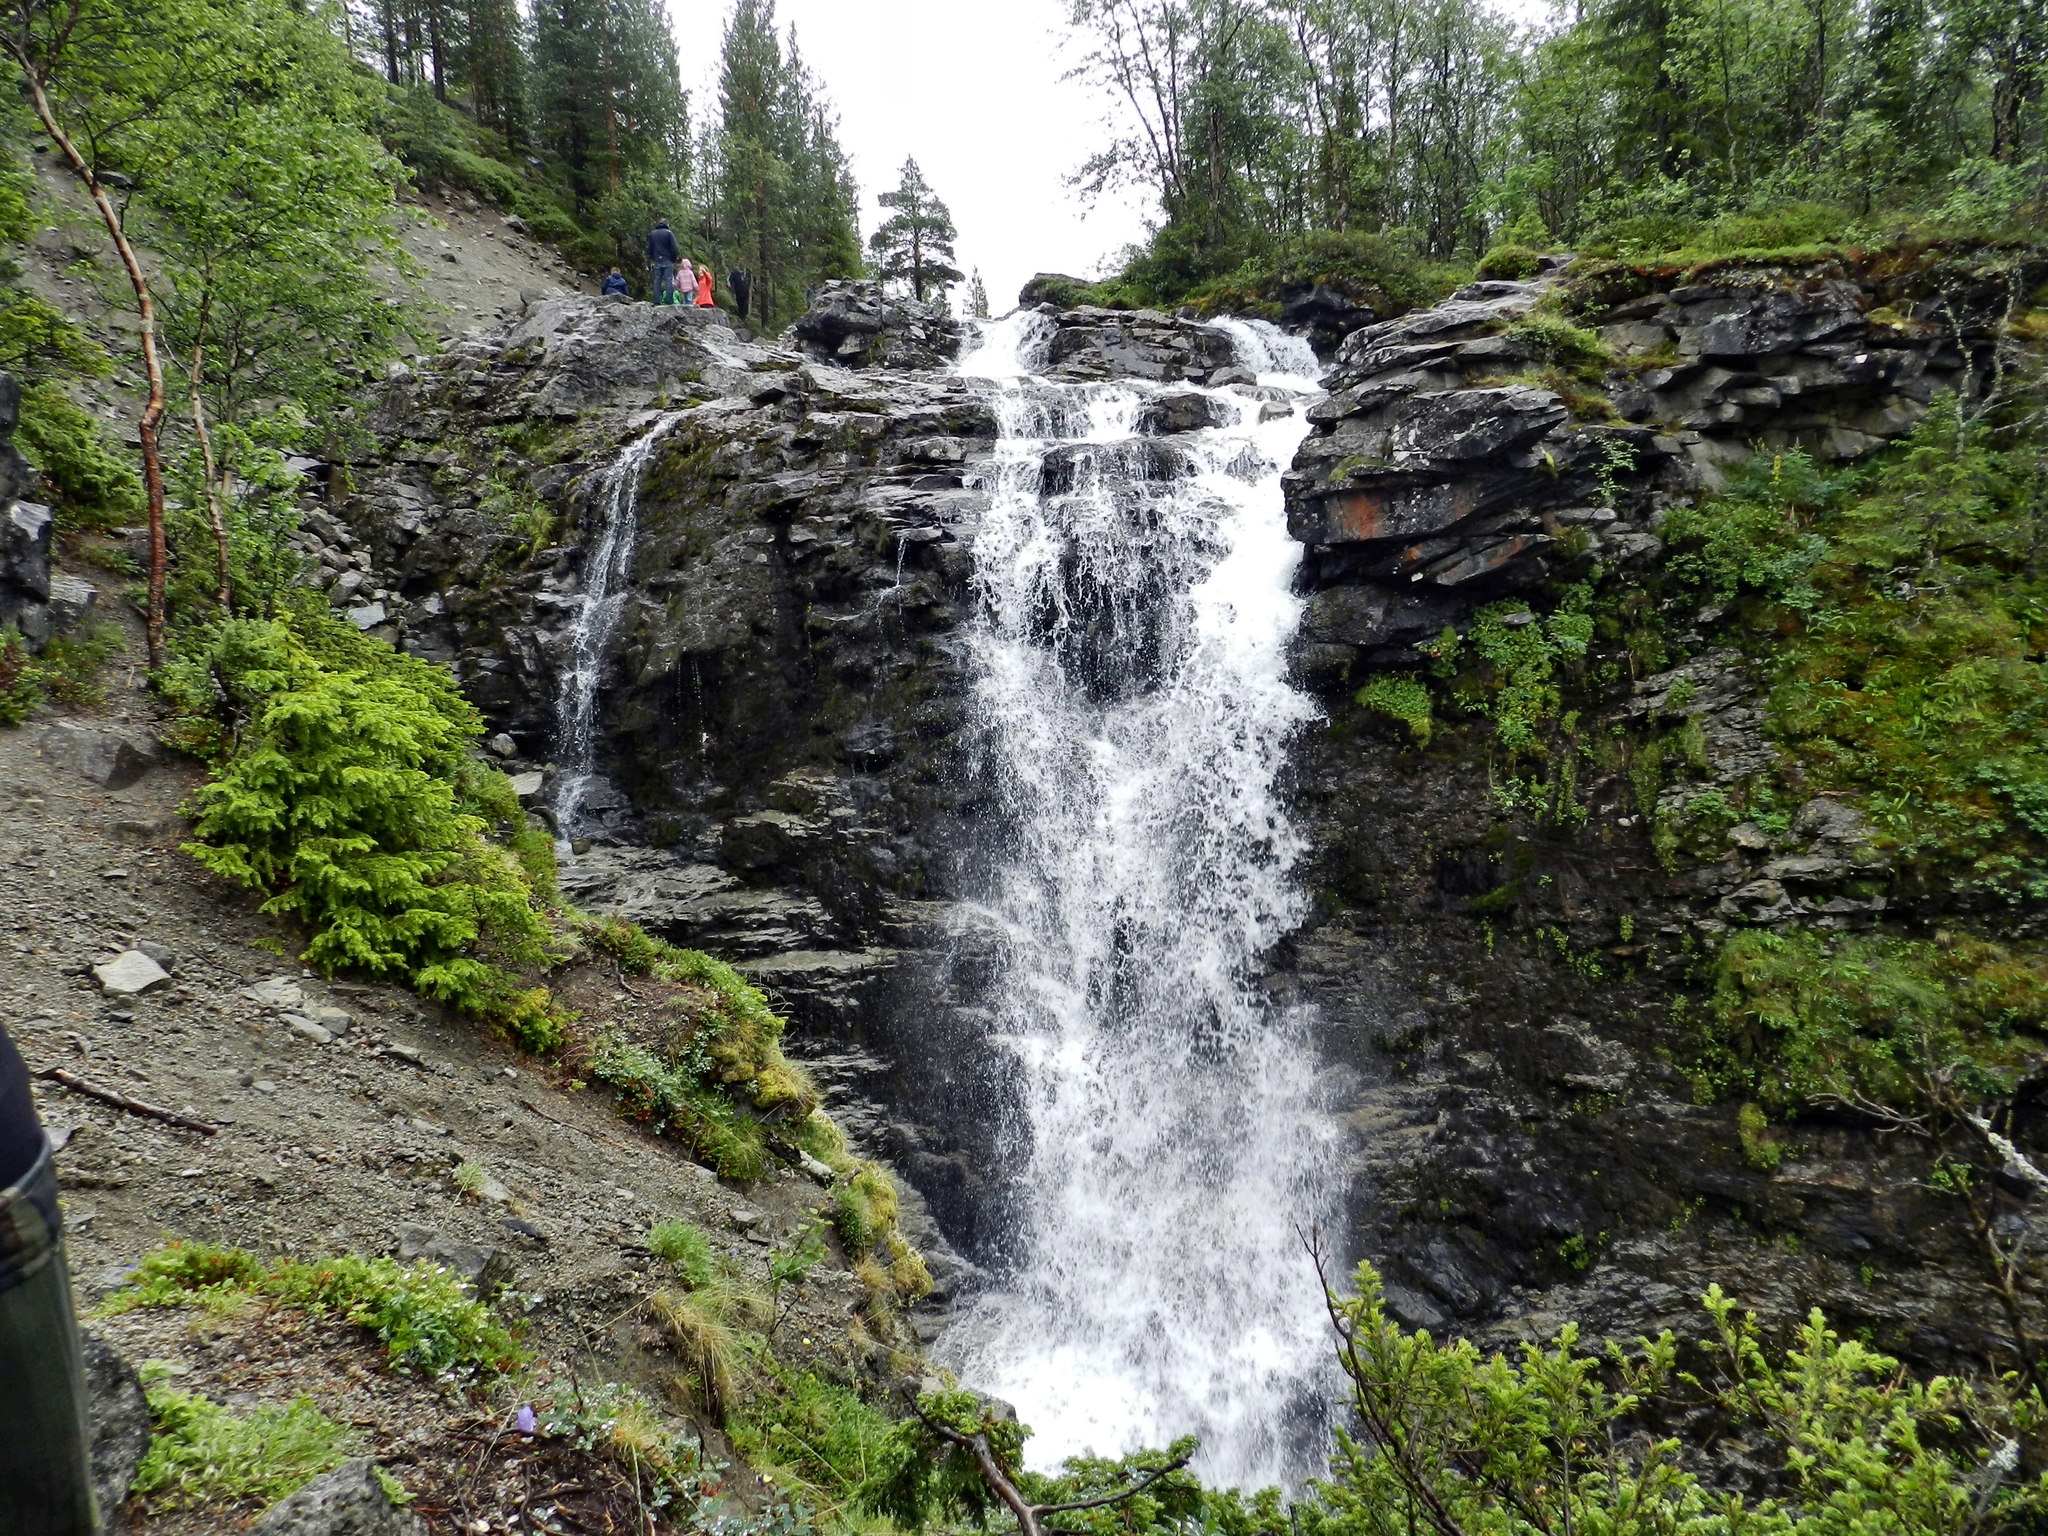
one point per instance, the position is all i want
(1379, 137)
(576, 115)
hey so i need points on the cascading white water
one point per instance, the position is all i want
(1130, 679)
(1277, 358)
(602, 600)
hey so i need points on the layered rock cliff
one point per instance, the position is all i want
(793, 781)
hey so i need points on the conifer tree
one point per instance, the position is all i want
(607, 91)
(977, 297)
(915, 243)
(781, 200)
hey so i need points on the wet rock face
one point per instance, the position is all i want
(852, 324)
(792, 783)
(1094, 343)
(1529, 1153)
(1435, 481)
(31, 600)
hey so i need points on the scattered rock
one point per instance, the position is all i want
(368, 617)
(485, 1269)
(306, 1029)
(129, 973)
(502, 745)
(162, 954)
(528, 786)
(278, 992)
(349, 1501)
(110, 759)
(120, 1420)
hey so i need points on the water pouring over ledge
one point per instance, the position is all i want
(1129, 685)
(603, 599)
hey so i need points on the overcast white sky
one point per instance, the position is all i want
(972, 89)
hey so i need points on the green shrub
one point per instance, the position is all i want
(1513, 262)
(203, 1455)
(91, 485)
(1901, 614)
(422, 1315)
(1507, 666)
(1403, 697)
(624, 1426)
(1554, 340)
(1564, 1441)
(821, 1436)
(687, 1250)
(1759, 1148)
(347, 793)
(1798, 1016)
(18, 692)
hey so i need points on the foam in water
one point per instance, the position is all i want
(597, 616)
(1173, 1140)
(1284, 361)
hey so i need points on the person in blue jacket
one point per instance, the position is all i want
(46, 1444)
(613, 283)
(662, 254)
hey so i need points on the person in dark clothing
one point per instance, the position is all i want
(45, 1453)
(741, 282)
(662, 254)
(613, 283)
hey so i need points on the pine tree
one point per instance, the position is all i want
(915, 244)
(977, 297)
(781, 198)
(607, 92)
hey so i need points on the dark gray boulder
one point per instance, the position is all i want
(120, 1423)
(349, 1501)
(855, 324)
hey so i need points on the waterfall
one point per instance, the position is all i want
(1129, 684)
(1277, 358)
(603, 599)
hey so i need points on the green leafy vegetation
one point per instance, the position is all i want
(91, 486)
(427, 1322)
(686, 1250)
(345, 791)
(1508, 667)
(1903, 612)
(1801, 1016)
(1561, 1440)
(816, 1439)
(1674, 134)
(622, 1424)
(205, 1456)
(1404, 698)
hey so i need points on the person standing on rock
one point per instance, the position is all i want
(706, 299)
(741, 282)
(46, 1443)
(662, 255)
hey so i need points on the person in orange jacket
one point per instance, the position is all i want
(705, 298)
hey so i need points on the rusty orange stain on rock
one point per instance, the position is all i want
(1365, 515)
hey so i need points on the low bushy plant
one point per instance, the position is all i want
(203, 1455)
(1900, 611)
(91, 485)
(686, 1249)
(1512, 262)
(1796, 1017)
(1560, 1440)
(421, 1313)
(345, 790)
(1404, 698)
